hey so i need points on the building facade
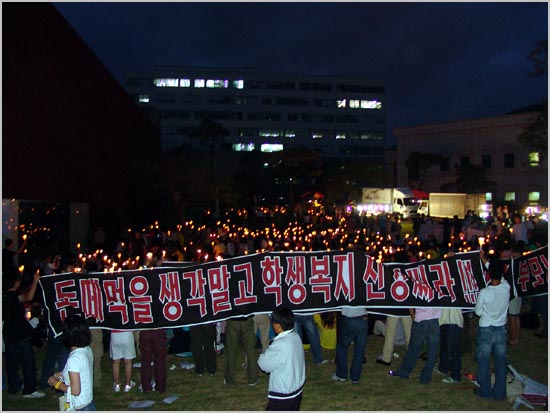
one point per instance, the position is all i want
(336, 116)
(63, 141)
(521, 176)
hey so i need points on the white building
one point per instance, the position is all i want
(521, 176)
(337, 116)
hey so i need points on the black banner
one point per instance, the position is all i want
(214, 291)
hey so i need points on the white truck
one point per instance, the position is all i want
(447, 205)
(389, 200)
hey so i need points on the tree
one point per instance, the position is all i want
(539, 57)
(181, 174)
(211, 136)
(295, 164)
(535, 136)
(343, 182)
(418, 164)
(471, 179)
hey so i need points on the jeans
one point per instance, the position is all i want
(426, 331)
(540, 306)
(353, 329)
(449, 352)
(312, 333)
(491, 340)
(20, 354)
(56, 357)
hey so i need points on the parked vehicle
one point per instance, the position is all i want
(447, 205)
(389, 200)
(423, 207)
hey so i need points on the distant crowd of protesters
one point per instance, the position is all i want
(233, 233)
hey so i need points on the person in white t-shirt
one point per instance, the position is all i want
(76, 379)
(492, 309)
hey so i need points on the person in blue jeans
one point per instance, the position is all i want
(425, 330)
(306, 321)
(491, 339)
(354, 327)
(450, 330)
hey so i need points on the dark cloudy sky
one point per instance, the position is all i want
(440, 61)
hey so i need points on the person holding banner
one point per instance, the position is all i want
(492, 309)
(306, 322)
(425, 329)
(122, 347)
(237, 330)
(354, 327)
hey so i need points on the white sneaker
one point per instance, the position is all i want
(116, 387)
(336, 378)
(34, 395)
(129, 386)
(439, 371)
(449, 380)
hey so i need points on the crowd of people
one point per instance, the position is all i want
(72, 362)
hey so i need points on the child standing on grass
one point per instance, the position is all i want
(122, 347)
(285, 360)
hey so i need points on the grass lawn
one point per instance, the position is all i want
(376, 390)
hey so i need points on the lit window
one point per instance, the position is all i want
(271, 147)
(238, 84)
(534, 159)
(340, 135)
(243, 147)
(271, 133)
(534, 196)
(217, 84)
(371, 104)
(143, 98)
(489, 196)
(354, 103)
(199, 82)
(165, 82)
(185, 82)
(510, 196)
(341, 103)
(316, 135)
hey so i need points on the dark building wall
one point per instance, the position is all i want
(70, 131)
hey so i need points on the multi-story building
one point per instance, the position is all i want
(336, 116)
(521, 175)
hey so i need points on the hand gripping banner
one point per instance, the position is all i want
(168, 297)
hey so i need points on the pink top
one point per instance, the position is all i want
(427, 313)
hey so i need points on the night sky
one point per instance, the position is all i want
(440, 61)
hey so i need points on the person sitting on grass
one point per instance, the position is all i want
(285, 361)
